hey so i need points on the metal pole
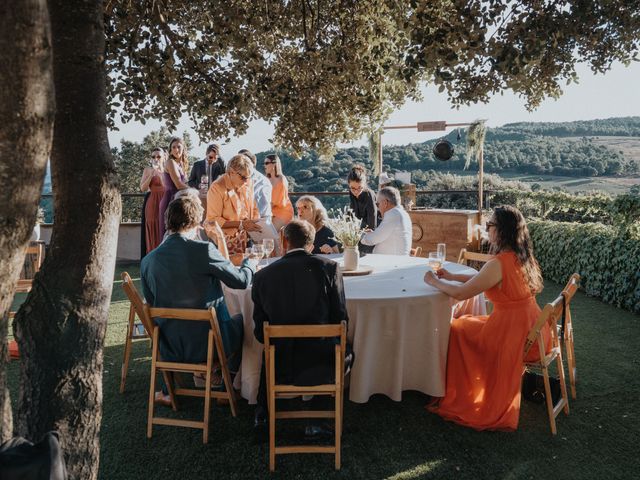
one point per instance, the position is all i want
(480, 178)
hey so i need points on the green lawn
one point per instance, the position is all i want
(385, 439)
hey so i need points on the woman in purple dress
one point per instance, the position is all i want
(174, 177)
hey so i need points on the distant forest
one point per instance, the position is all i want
(527, 148)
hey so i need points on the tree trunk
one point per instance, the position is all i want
(26, 113)
(61, 328)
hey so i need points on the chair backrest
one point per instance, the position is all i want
(415, 252)
(571, 287)
(185, 314)
(305, 331)
(550, 314)
(465, 257)
(137, 301)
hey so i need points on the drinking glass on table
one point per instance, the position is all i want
(434, 261)
(268, 245)
(442, 251)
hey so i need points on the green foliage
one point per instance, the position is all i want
(618, 127)
(607, 260)
(330, 72)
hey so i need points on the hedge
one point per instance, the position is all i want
(607, 258)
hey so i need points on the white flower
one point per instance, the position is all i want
(345, 226)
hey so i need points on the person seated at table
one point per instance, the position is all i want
(484, 360)
(262, 187)
(311, 209)
(231, 203)
(299, 289)
(393, 235)
(183, 272)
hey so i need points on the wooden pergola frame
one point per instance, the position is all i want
(441, 126)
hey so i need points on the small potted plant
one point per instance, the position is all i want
(347, 230)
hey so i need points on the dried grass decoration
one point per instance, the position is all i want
(346, 227)
(475, 141)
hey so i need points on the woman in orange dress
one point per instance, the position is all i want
(485, 357)
(281, 206)
(152, 182)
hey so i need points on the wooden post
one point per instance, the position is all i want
(380, 152)
(480, 179)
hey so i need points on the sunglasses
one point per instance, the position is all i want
(156, 156)
(212, 157)
(269, 163)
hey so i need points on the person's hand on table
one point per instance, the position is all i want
(326, 249)
(367, 230)
(430, 278)
(251, 226)
(445, 274)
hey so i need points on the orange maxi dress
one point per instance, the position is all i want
(152, 213)
(281, 207)
(485, 356)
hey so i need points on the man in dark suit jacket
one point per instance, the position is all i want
(211, 167)
(184, 272)
(299, 289)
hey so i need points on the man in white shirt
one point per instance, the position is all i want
(261, 187)
(393, 235)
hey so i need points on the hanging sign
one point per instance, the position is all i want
(431, 126)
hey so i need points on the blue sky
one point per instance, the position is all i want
(614, 94)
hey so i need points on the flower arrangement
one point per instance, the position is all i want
(345, 226)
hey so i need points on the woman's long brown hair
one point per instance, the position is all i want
(512, 234)
(183, 161)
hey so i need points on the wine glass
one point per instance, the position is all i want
(268, 246)
(434, 261)
(442, 251)
(258, 251)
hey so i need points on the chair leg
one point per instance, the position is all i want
(571, 363)
(226, 377)
(169, 380)
(272, 416)
(127, 348)
(549, 400)
(152, 383)
(207, 389)
(563, 383)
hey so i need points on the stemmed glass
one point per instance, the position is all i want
(268, 246)
(258, 251)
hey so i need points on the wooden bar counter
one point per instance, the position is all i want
(453, 227)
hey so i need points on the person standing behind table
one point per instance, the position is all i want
(393, 235)
(230, 201)
(312, 210)
(261, 187)
(484, 358)
(206, 171)
(281, 205)
(299, 289)
(362, 201)
(184, 272)
(174, 177)
(152, 182)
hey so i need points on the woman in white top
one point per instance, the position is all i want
(393, 235)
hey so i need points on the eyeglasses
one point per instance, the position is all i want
(269, 163)
(212, 157)
(243, 177)
(356, 189)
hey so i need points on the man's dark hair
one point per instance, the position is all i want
(299, 234)
(251, 156)
(183, 213)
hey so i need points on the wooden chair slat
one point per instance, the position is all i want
(303, 331)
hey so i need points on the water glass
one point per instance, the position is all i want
(442, 251)
(258, 251)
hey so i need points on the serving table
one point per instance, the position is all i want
(398, 326)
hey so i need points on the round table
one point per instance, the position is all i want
(398, 326)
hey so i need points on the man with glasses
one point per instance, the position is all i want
(393, 235)
(205, 172)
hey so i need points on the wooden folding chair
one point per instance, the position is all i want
(550, 315)
(565, 331)
(275, 391)
(169, 368)
(136, 307)
(466, 256)
(416, 252)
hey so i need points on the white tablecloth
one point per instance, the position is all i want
(398, 325)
